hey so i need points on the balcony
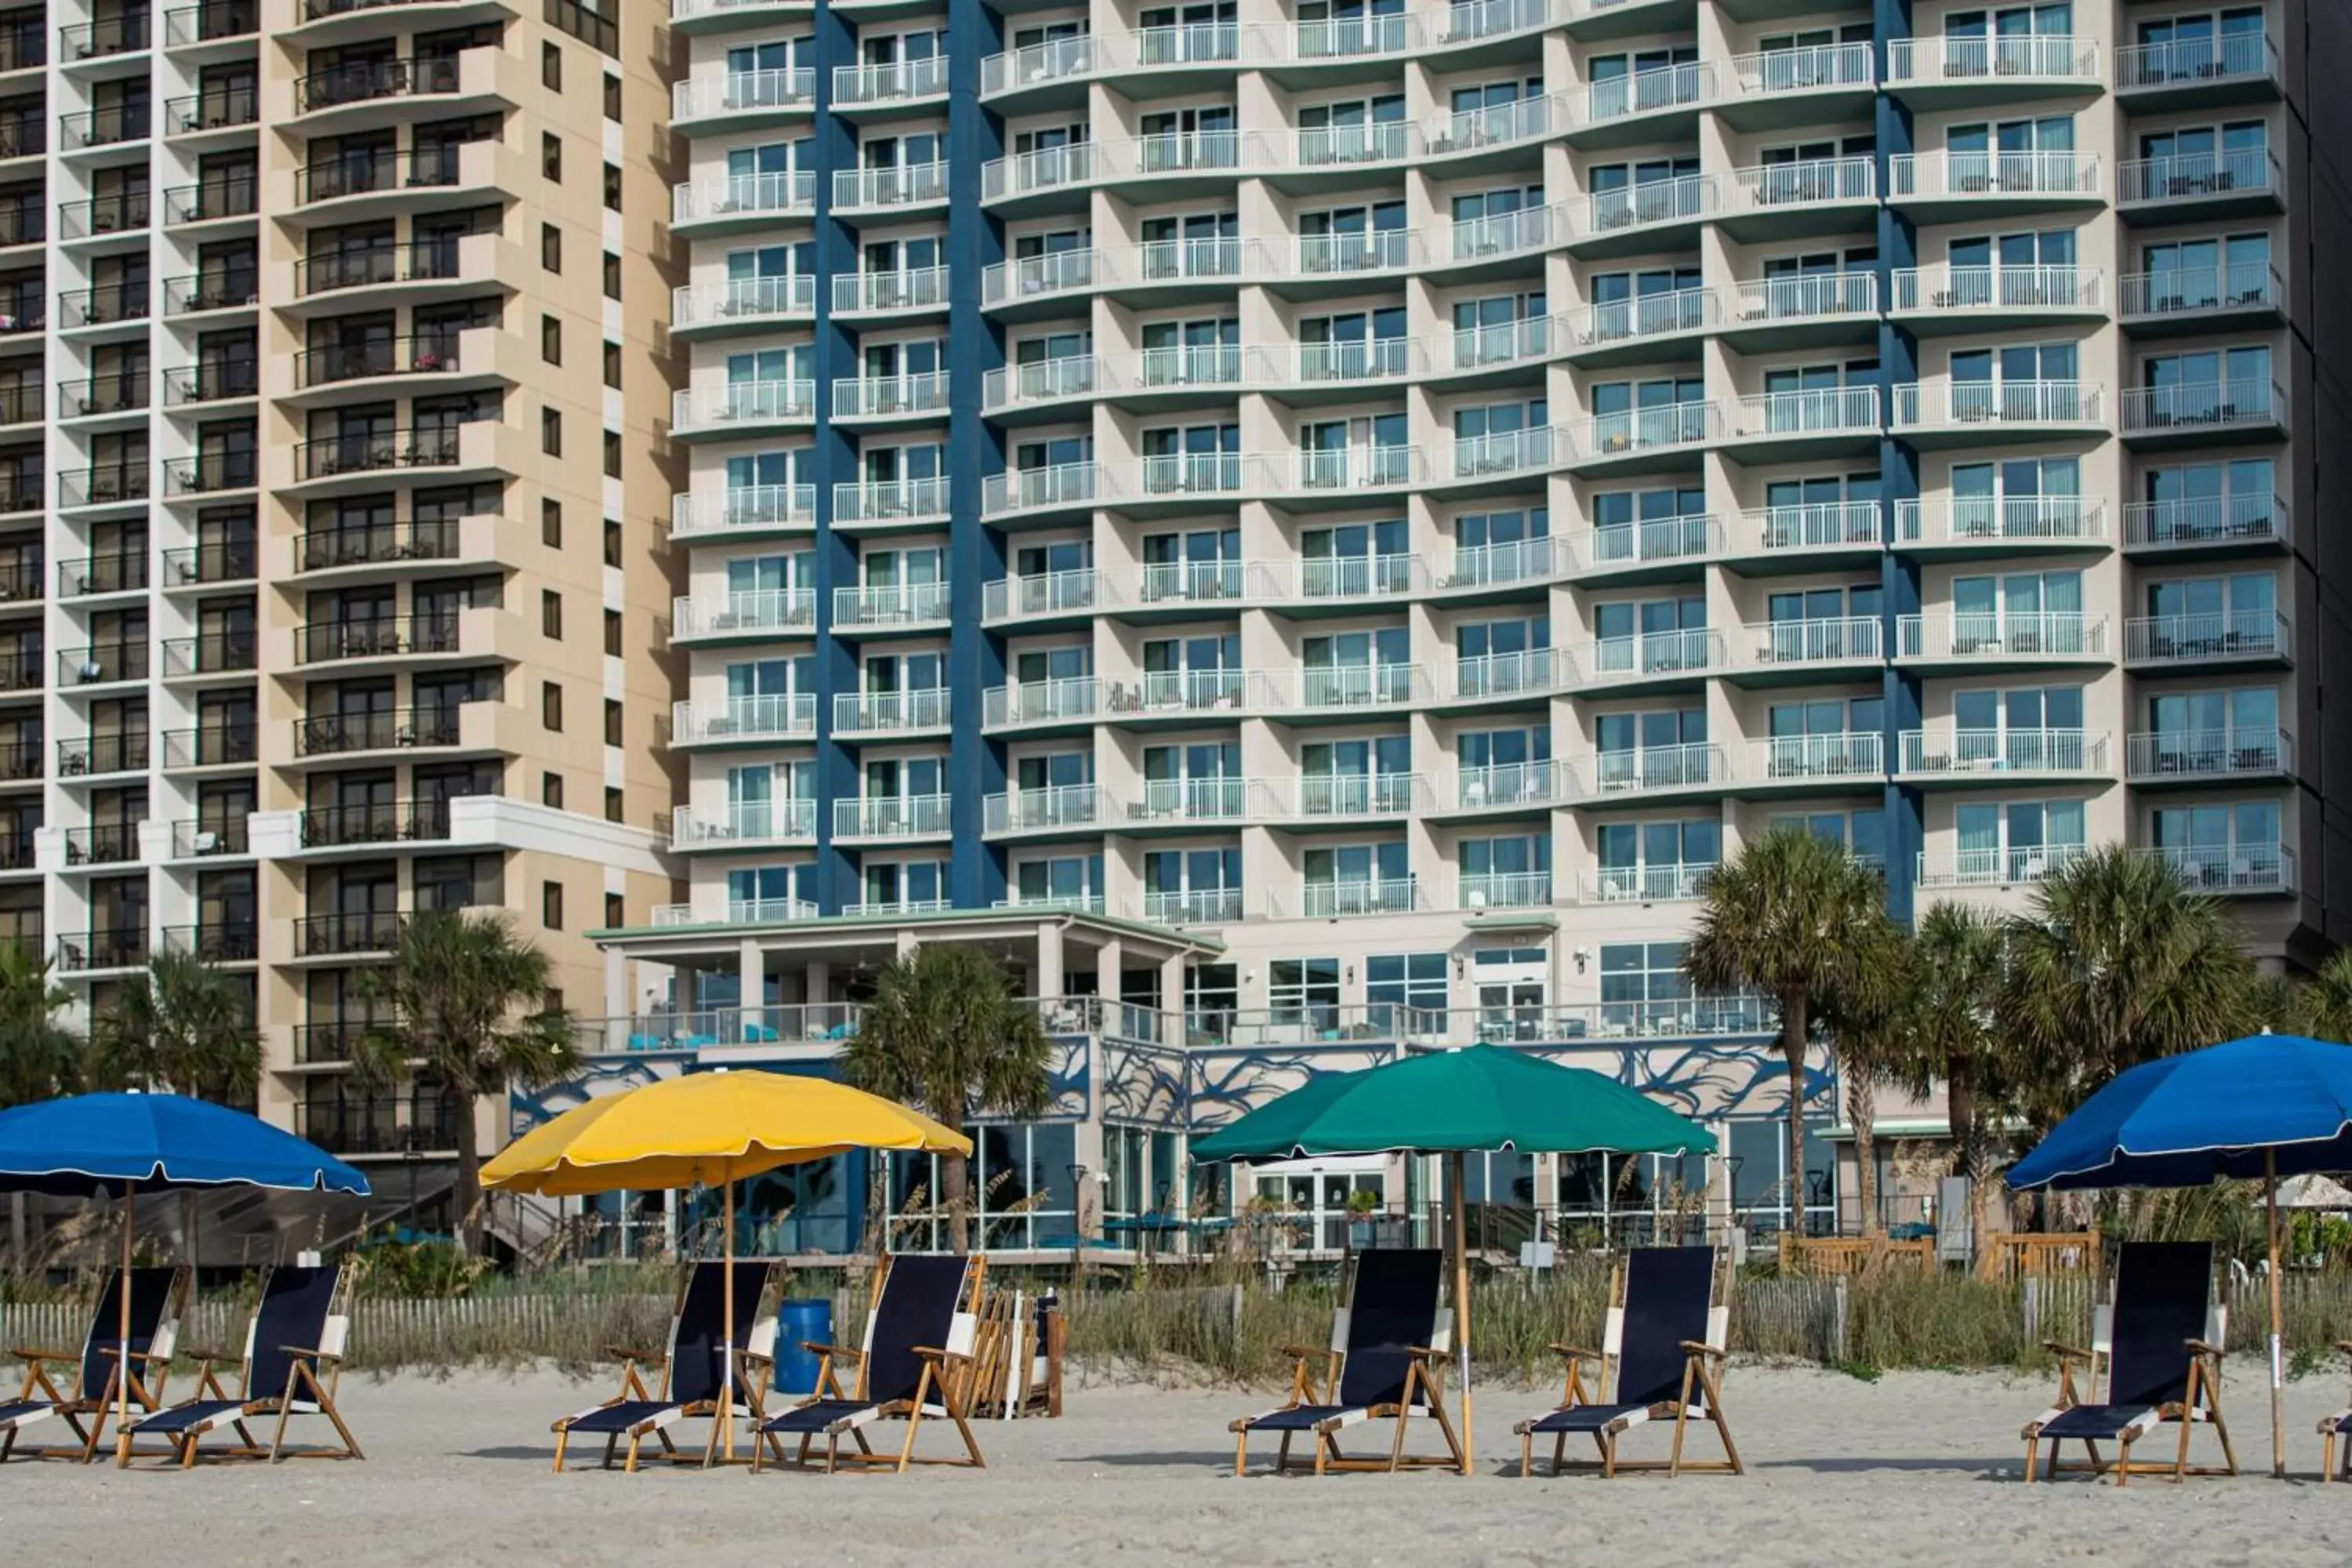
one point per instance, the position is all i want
(1334, 900)
(2198, 641)
(1181, 804)
(375, 823)
(211, 381)
(426, 357)
(1179, 476)
(2208, 756)
(2023, 638)
(899, 816)
(21, 762)
(1663, 215)
(1492, 571)
(2018, 865)
(226, 941)
(1177, 693)
(1504, 455)
(891, 606)
(1674, 882)
(1198, 906)
(921, 710)
(743, 512)
(122, 947)
(1059, 809)
(1510, 787)
(1057, 63)
(1946, 186)
(1780, 201)
(1668, 659)
(745, 824)
(102, 664)
(1333, 261)
(1505, 890)
(386, 729)
(891, 396)
(376, 636)
(726, 203)
(2202, 298)
(1943, 755)
(220, 109)
(1509, 678)
(1042, 596)
(878, 504)
(1943, 412)
(403, 274)
(125, 33)
(348, 934)
(1497, 243)
(210, 653)
(94, 576)
(210, 474)
(2202, 413)
(1050, 278)
(1178, 585)
(2236, 182)
(96, 755)
(2219, 525)
(114, 843)
(1998, 525)
(374, 452)
(386, 544)
(1951, 72)
(1624, 330)
(734, 409)
(1948, 298)
(100, 128)
(2195, 73)
(1339, 474)
(112, 306)
(706, 309)
(894, 189)
(1068, 702)
(747, 613)
(1774, 651)
(211, 746)
(224, 835)
(1772, 426)
(209, 22)
(2226, 870)
(1697, 765)
(1768, 539)
(742, 99)
(1817, 310)
(1344, 689)
(743, 721)
(1803, 763)
(1776, 89)
(889, 82)
(1660, 550)
(1637, 440)
(908, 288)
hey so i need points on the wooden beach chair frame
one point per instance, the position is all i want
(1423, 1387)
(313, 1374)
(151, 1370)
(2199, 1404)
(1699, 1396)
(2333, 1427)
(754, 1361)
(942, 1388)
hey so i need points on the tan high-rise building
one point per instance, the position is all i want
(335, 588)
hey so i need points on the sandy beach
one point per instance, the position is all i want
(1913, 1468)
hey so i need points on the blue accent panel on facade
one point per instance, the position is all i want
(1898, 470)
(834, 460)
(975, 875)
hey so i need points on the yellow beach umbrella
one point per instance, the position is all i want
(715, 1129)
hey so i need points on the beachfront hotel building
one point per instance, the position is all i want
(326, 592)
(1308, 529)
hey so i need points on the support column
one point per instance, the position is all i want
(752, 994)
(1172, 996)
(906, 941)
(1108, 957)
(1049, 958)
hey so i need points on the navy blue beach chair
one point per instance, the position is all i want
(1665, 1336)
(159, 1299)
(2159, 1346)
(1385, 1362)
(697, 1364)
(294, 1347)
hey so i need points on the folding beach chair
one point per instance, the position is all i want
(293, 1360)
(2334, 1428)
(1389, 1339)
(159, 1299)
(914, 1362)
(1665, 1332)
(2161, 1342)
(697, 1364)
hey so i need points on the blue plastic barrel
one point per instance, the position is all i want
(797, 1322)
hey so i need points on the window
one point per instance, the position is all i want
(613, 804)
(1405, 980)
(551, 706)
(613, 633)
(551, 247)
(612, 276)
(550, 68)
(2012, 841)
(551, 790)
(1647, 861)
(612, 542)
(551, 155)
(550, 339)
(1303, 992)
(550, 614)
(613, 186)
(615, 911)
(613, 366)
(551, 905)
(1644, 990)
(612, 722)
(612, 454)
(550, 432)
(613, 98)
(551, 523)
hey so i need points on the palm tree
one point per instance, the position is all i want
(2327, 1002)
(182, 1025)
(945, 1031)
(1957, 961)
(2117, 961)
(1869, 1019)
(40, 1058)
(467, 1007)
(1793, 916)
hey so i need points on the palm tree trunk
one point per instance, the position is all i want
(20, 1231)
(469, 1194)
(955, 1181)
(1792, 1047)
(1862, 1110)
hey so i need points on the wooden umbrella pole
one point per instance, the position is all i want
(726, 1352)
(2278, 1316)
(123, 1342)
(1454, 1182)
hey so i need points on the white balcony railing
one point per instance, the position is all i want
(2014, 519)
(2249, 400)
(1035, 277)
(1944, 286)
(1204, 799)
(746, 610)
(2015, 865)
(742, 403)
(1692, 765)
(1503, 342)
(893, 816)
(1812, 181)
(2240, 868)
(1998, 634)
(1534, 560)
(1812, 411)
(1028, 489)
(1496, 125)
(1199, 905)
(1814, 68)
(2209, 61)
(904, 185)
(1681, 86)
(1819, 296)
(745, 91)
(777, 716)
(874, 502)
(714, 512)
(890, 81)
(1317, 795)
(1040, 381)
(1811, 759)
(1357, 359)
(1945, 749)
(1040, 702)
(1504, 785)
(1650, 316)
(1506, 234)
(743, 196)
(1506, 452)
(1645, 543)
(2026, 58)
(1363, 36)
(884, 713)
(900, 289)
(2185, 291)
(1648, 884)
(1055, 60)
(2231, 519)
(890, 604)
(2198, 176)
(1827, 639)
(2240, 751)
(1326, 900)
(744, 822)
(1533, 671)
(1681, 199)
(1042, 593)
(1031, 810)
(1687, 650)
(1994, 403)
(1636, 430)
(891, 397)
(1990, 175)
(1843, 525)
(2261, 634)
(743, 300)
(1505, 889)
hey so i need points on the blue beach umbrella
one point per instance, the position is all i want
(122, 1145)
(2257, 1109)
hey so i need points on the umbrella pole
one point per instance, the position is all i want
(2278, 1417)
(1453, 1183)
(122, 1342)
(727, 1355)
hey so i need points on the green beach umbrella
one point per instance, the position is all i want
(1473, 1100)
